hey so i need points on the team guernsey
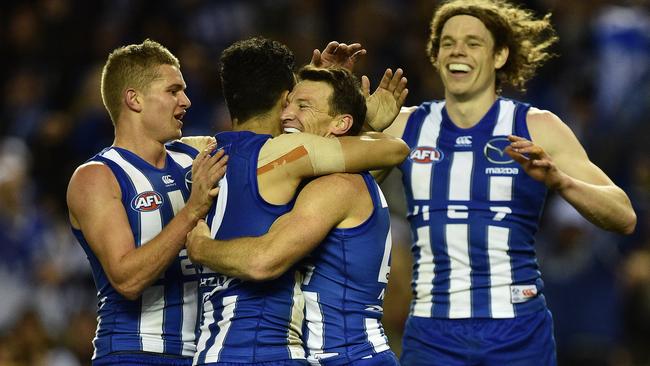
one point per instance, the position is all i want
(163, 319)
(247, 322)
(473, 213)
(344, 287)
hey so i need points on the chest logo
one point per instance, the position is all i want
(426, 155)
(464, 141)
(147, 201)
(494, 151)
(167, 179)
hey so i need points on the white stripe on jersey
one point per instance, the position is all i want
(506, 121)
(296, 349)
(222, 200)
(102, 302)
(229, 305)
(190, 296)
(150, 222)
(460, 300)
(424, 282)
(151, 319)
(376, 335)
(177, 200)
(460, 176)
(315, 329)
(500, 272)
(384, 270)
(182, 159)
(428, 137)
(500, 188)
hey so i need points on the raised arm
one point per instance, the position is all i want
(95, 207)
(338, 54)
(556, 158)
(320, 207)
(385, 103)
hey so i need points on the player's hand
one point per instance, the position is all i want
(338, 55)
(193, 240)
(535, 162)
(207, 170)
(198, 142)
(385, 103)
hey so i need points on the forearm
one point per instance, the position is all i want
(143, 266)
(235, 258)
(375, 151)
(606, 206)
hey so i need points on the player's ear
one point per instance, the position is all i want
(341, 124)
(500, 57)
(133, 100)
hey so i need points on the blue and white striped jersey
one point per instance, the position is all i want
(344, 288)
(473, 213)
(163, 320)
(244, 321)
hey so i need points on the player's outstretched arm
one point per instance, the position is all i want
(556, 158)
(319, 208)
(95, 207)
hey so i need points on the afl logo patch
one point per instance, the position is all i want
(425, 155)
(494, 151)
(147, 201)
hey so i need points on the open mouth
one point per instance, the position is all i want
(291, 130)
(459, 69)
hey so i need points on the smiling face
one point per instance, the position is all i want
(466, 59)
(308, 108)
(164, 103)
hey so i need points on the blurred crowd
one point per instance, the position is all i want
(597, 283)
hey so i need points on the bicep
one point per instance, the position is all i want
(95, 203)
(316, 212)
(561, 144)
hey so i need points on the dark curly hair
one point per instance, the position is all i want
(528, 39)
(346, 98)
(254, 73)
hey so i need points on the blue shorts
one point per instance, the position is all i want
(269, 363)
(141, 359)
(522, 341)
(386, 358)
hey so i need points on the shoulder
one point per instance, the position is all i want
(92, 177)
(541, 116)
(549, 131)
(294, 142)
(341, 185)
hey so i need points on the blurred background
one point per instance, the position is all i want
(52, 119)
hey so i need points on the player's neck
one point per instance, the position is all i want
(267, 124)
(467, 112)
(151, 151)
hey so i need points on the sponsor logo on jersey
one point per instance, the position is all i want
(464, 141)
(494, 151)
(188, 180)
(426, 155)
(522, 293)
(167, 179)
(501, 171)
(147, 201)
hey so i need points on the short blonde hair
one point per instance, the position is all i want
(132, 66)
(527, 39)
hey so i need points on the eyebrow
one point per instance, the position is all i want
(176, 86)
(469, 37)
